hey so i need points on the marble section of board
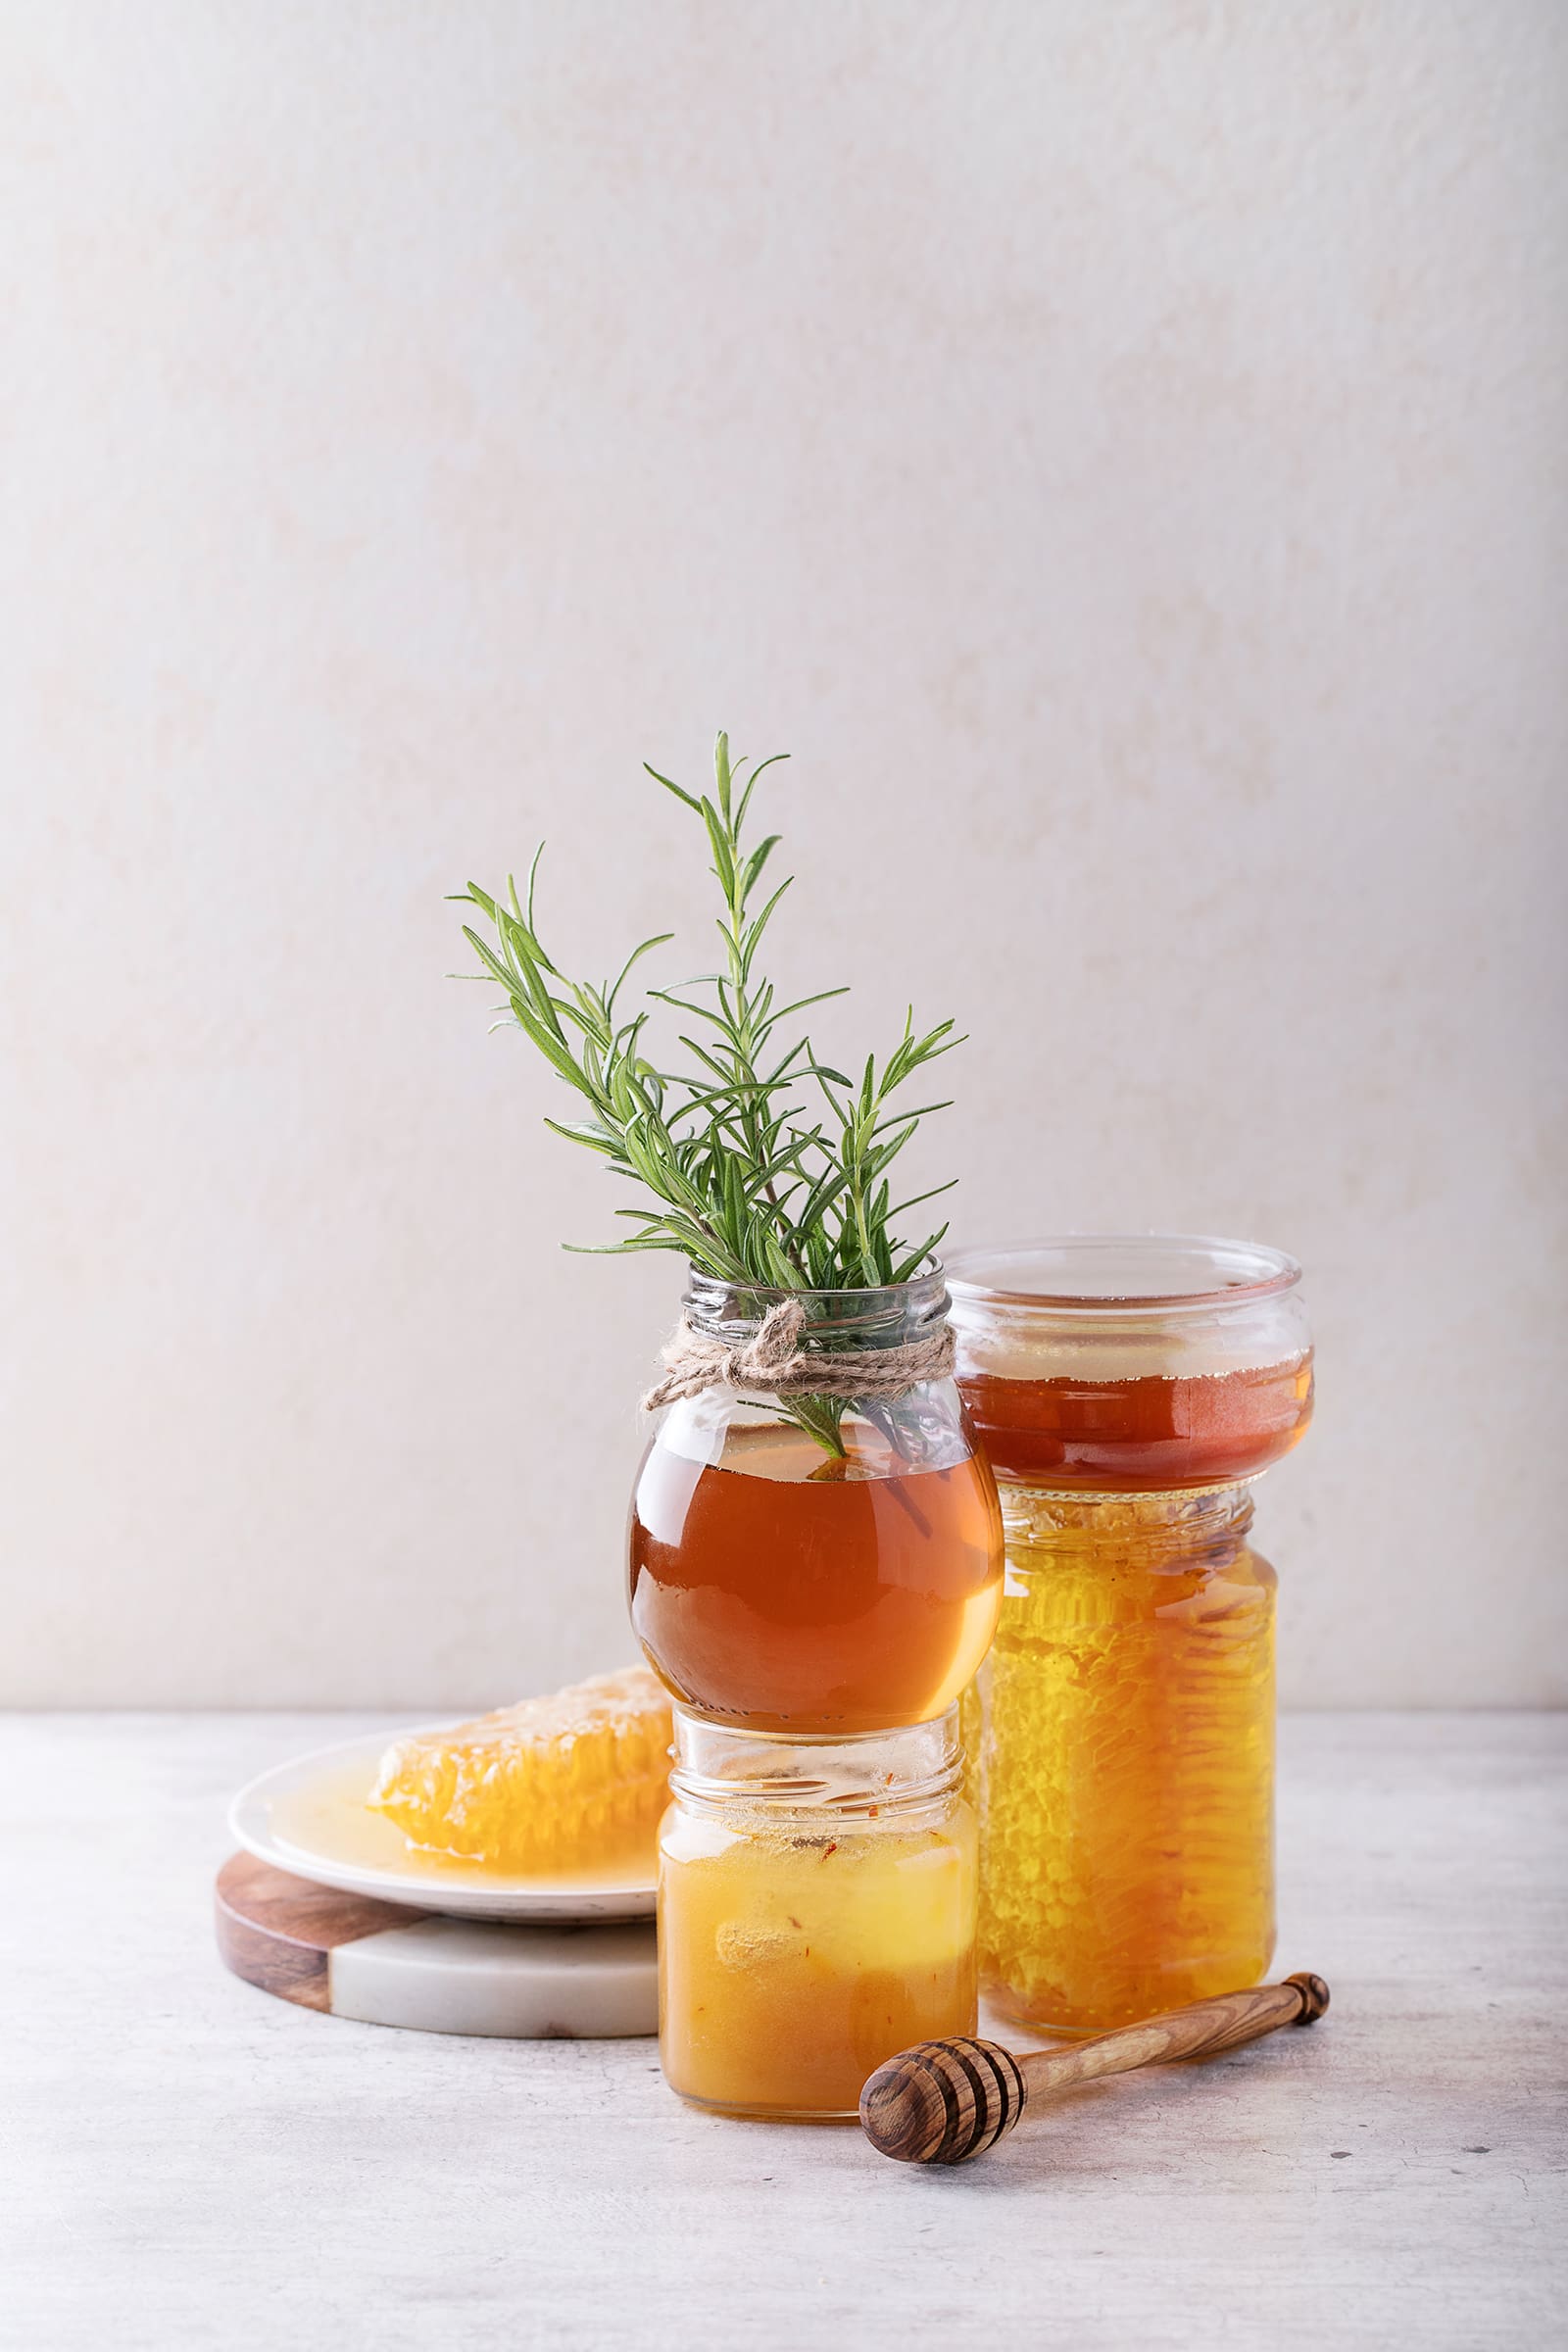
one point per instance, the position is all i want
(383, 1965)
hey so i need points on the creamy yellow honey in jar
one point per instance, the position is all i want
(816, 1912)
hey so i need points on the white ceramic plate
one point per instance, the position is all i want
(310, 1817)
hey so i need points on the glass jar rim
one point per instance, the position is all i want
(918, 1286)
(848, 1775)
(1226, 1274)
(885, 1316)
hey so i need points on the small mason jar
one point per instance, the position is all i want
(1127, 1390)
(816, 1912)
(816, 1563)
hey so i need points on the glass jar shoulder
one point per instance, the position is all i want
(1075, 1564)
(742, 1841)
(793, 1439)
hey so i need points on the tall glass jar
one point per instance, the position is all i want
(1127, 1390)
(816, 1564)
(816, 1912)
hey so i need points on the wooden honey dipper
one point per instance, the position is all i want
(942, 2102)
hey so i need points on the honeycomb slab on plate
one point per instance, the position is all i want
(554, 1784)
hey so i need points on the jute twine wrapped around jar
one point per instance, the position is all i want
(772, 1361)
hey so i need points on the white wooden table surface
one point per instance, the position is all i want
(187, 2162)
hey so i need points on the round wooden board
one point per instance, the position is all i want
(388, 1966)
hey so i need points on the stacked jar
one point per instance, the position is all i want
(1127, 1392)
(815, 1576)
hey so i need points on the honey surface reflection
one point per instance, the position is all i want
(781, 1589)
(1151, 1433)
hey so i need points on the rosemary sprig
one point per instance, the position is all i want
(739, 1175)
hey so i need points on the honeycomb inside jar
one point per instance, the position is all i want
(1125, 1735)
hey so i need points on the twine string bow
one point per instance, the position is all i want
(772, 1361)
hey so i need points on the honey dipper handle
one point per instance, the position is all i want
(942, 2102)
(1197, 2031)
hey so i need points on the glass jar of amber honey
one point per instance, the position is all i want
(816, 1563)
(1126, 1391)
(816, 1912)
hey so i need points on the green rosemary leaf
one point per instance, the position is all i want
(703, 1013)
(787, 1012)
(662, 940)
(771, 761)
(925, 1110)
(690, 799)
(756, 863)
(915, 1198)
(587, 1131)
(533, 876)
(759, 925)
(922, 1257)
(723, 853)
(493, 962)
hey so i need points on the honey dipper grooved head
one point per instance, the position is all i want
(1314, 1995)
(942, 2102)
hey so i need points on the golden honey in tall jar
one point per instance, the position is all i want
(1127, 1390)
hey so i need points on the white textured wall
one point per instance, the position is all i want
(1117, 449)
